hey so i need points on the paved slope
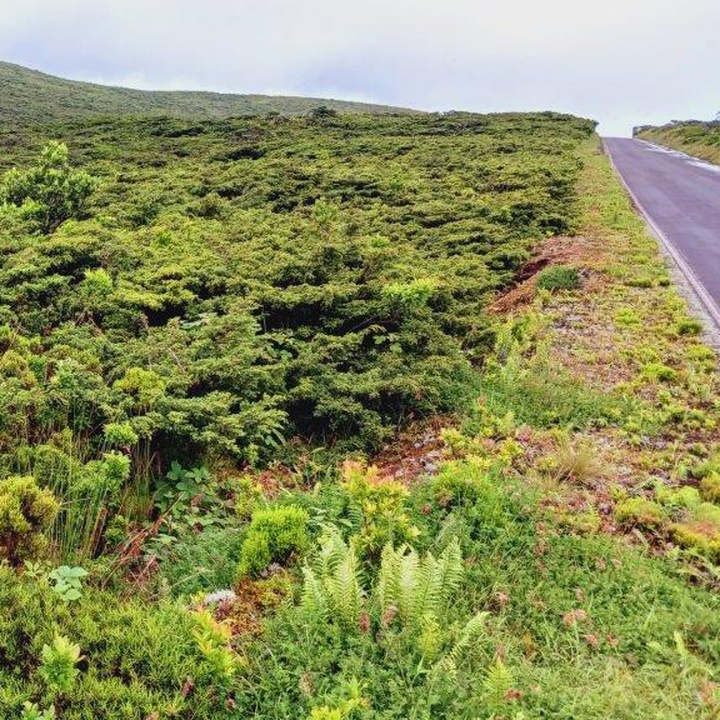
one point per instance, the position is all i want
(680, 196)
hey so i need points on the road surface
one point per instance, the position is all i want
(680, 197)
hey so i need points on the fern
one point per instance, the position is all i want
(343, 589)
(430, 637)
(314, 600)
(407, 580)
(498, 682)
(388, 583)
(472, 629)
(418, 587)
(332, 588)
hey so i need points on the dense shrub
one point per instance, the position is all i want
(369, 313)
(274, 535)
(49, 193)
(26, 512)
(106, 656)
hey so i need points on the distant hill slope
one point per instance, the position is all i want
(694, 137)
(30, 96)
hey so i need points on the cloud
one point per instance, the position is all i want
(622, 62)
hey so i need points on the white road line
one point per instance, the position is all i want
(699, 289)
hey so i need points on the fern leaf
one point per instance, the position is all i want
(387, 589)
(344, 589)
(472, 629)
(408, 572)
(314, 600)
(498, 682)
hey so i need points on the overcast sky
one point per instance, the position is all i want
(622, 62)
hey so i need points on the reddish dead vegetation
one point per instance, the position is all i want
(255, 600)
(559, 250)
(415, 453)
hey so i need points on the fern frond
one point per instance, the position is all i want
(449, 570)
(387, 589)
(314, 600)
(498, 682)
(472, 629)
(343, 588)
(430, 637)
(332, 551)
(408, 572)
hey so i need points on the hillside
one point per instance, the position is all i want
(694, 137)
(31, 96)
(347, 418)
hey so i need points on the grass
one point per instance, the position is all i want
(700, 139)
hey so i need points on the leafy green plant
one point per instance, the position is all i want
(382, 507)
(213, 640)
(67, 582)
(710, 487)
(639, 512)
(59, 664)
(354, 701)
(32, 712)
(273, 536)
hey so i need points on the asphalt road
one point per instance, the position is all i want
(680, 197)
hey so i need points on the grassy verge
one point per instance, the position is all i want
(694, 138)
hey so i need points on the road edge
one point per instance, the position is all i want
(709, 309)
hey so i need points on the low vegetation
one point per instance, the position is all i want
(700, 139)
(211, 328)
(30, 97)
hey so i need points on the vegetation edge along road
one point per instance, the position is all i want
(695, 138)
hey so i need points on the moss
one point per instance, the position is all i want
(659, 372)
(639, 512)
(559, 277)
(710, 488)
(700, 531)
(684, 497)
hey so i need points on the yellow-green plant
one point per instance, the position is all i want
(59, 664)
(26, 512)
(382, 505)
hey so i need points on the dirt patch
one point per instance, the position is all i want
(558, 250)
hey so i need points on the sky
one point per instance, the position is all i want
(621, 62)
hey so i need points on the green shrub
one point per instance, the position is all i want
(684, 497)
(121, 637)
(51, 192)
(26, 512)
(460, 483)
(688, 326)
(659, 372)
(274, 536)
(700, 531)
(558, 277)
